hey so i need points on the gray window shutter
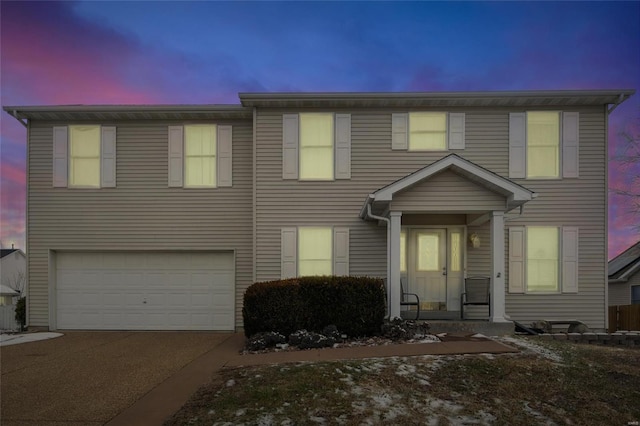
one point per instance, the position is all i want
(570, 142)
(225, 158)
(340, 251)
(60, 156)
(290, 137)
(400, 131)
(289, 253)
(517, 258)
(517, 145)
(569, 259)
(343, 146)
(108, 157)
(176, 160)
(456, 130)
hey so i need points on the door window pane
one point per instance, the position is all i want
(427, 131)
(315, 249)
(542, 259)
(543, 144)
(200, 155)
(316, 146)
(428, 253)
(84, 156)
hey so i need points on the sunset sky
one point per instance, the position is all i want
(206, 52)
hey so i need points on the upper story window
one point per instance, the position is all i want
(316, 146)
(543, 144)
(200, 155)
(84, 156)
(427, 131)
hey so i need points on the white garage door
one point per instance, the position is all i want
(145, 291)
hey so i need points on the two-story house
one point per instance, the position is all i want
(158, 217)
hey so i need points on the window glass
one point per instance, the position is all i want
(84, 156)
(542, 259)
(543, 144)
(316, 146)
(635, 294)
(315, 249)
(456, 255)
(403, 251)
(200, 155)
(428, 131)
(428, 253)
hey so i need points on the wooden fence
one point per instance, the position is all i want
(8, 318)
(624, 317)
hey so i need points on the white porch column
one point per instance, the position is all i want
(497, 268)
(394, 264)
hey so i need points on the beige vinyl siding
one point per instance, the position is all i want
(141, 212)
(447, 191)
(619, 294)
(570, 202)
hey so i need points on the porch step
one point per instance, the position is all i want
(483, 327)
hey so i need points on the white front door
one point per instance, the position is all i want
(436, 267)
(428, 267)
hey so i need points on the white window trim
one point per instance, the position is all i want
(333, 145)
(69, 184)
(446, 132)
(184, 159)
(526, 146)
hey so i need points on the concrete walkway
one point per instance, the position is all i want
(144, 378)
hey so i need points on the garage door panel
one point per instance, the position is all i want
(145, 291)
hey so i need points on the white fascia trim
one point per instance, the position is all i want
(630, 271)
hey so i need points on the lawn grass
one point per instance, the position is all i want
(579, 385)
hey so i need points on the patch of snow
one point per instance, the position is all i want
(533, 347)
(342, 419)
(479, 335)
(382, 401)
(230, 383)
(16, 339)
(319, 420)
(266, 420)
(282, 346)
(211, 412)
(488, 356)
(359, 406)
(287, 422)
(241, 412)
(538, 415)
(405, 370)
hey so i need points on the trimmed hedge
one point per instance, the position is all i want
(355, 305)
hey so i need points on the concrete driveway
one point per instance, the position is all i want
(91, 377)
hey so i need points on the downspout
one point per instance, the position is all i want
(388, 222)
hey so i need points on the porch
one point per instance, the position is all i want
(445, 222)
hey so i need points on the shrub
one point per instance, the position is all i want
(21, 312)
(355, 305)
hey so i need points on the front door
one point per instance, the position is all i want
(436, 267)
(428, 270)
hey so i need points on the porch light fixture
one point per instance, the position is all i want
(474, 239)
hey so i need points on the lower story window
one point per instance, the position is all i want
(315, 251)
(635, 295)
(542, 259)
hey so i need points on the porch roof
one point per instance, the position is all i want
(515, 195)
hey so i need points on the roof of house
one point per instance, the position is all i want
(7, 291)
(626, 263)
(321, 99)
(7, 252)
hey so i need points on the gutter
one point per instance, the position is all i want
(623, 97)
(370, 215)
(14, 114)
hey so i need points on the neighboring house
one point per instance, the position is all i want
(624, 277)
(13, 274)
(160, 217)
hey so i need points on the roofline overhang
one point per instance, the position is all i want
(389, 99)
(126, 111)
(624, 277)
